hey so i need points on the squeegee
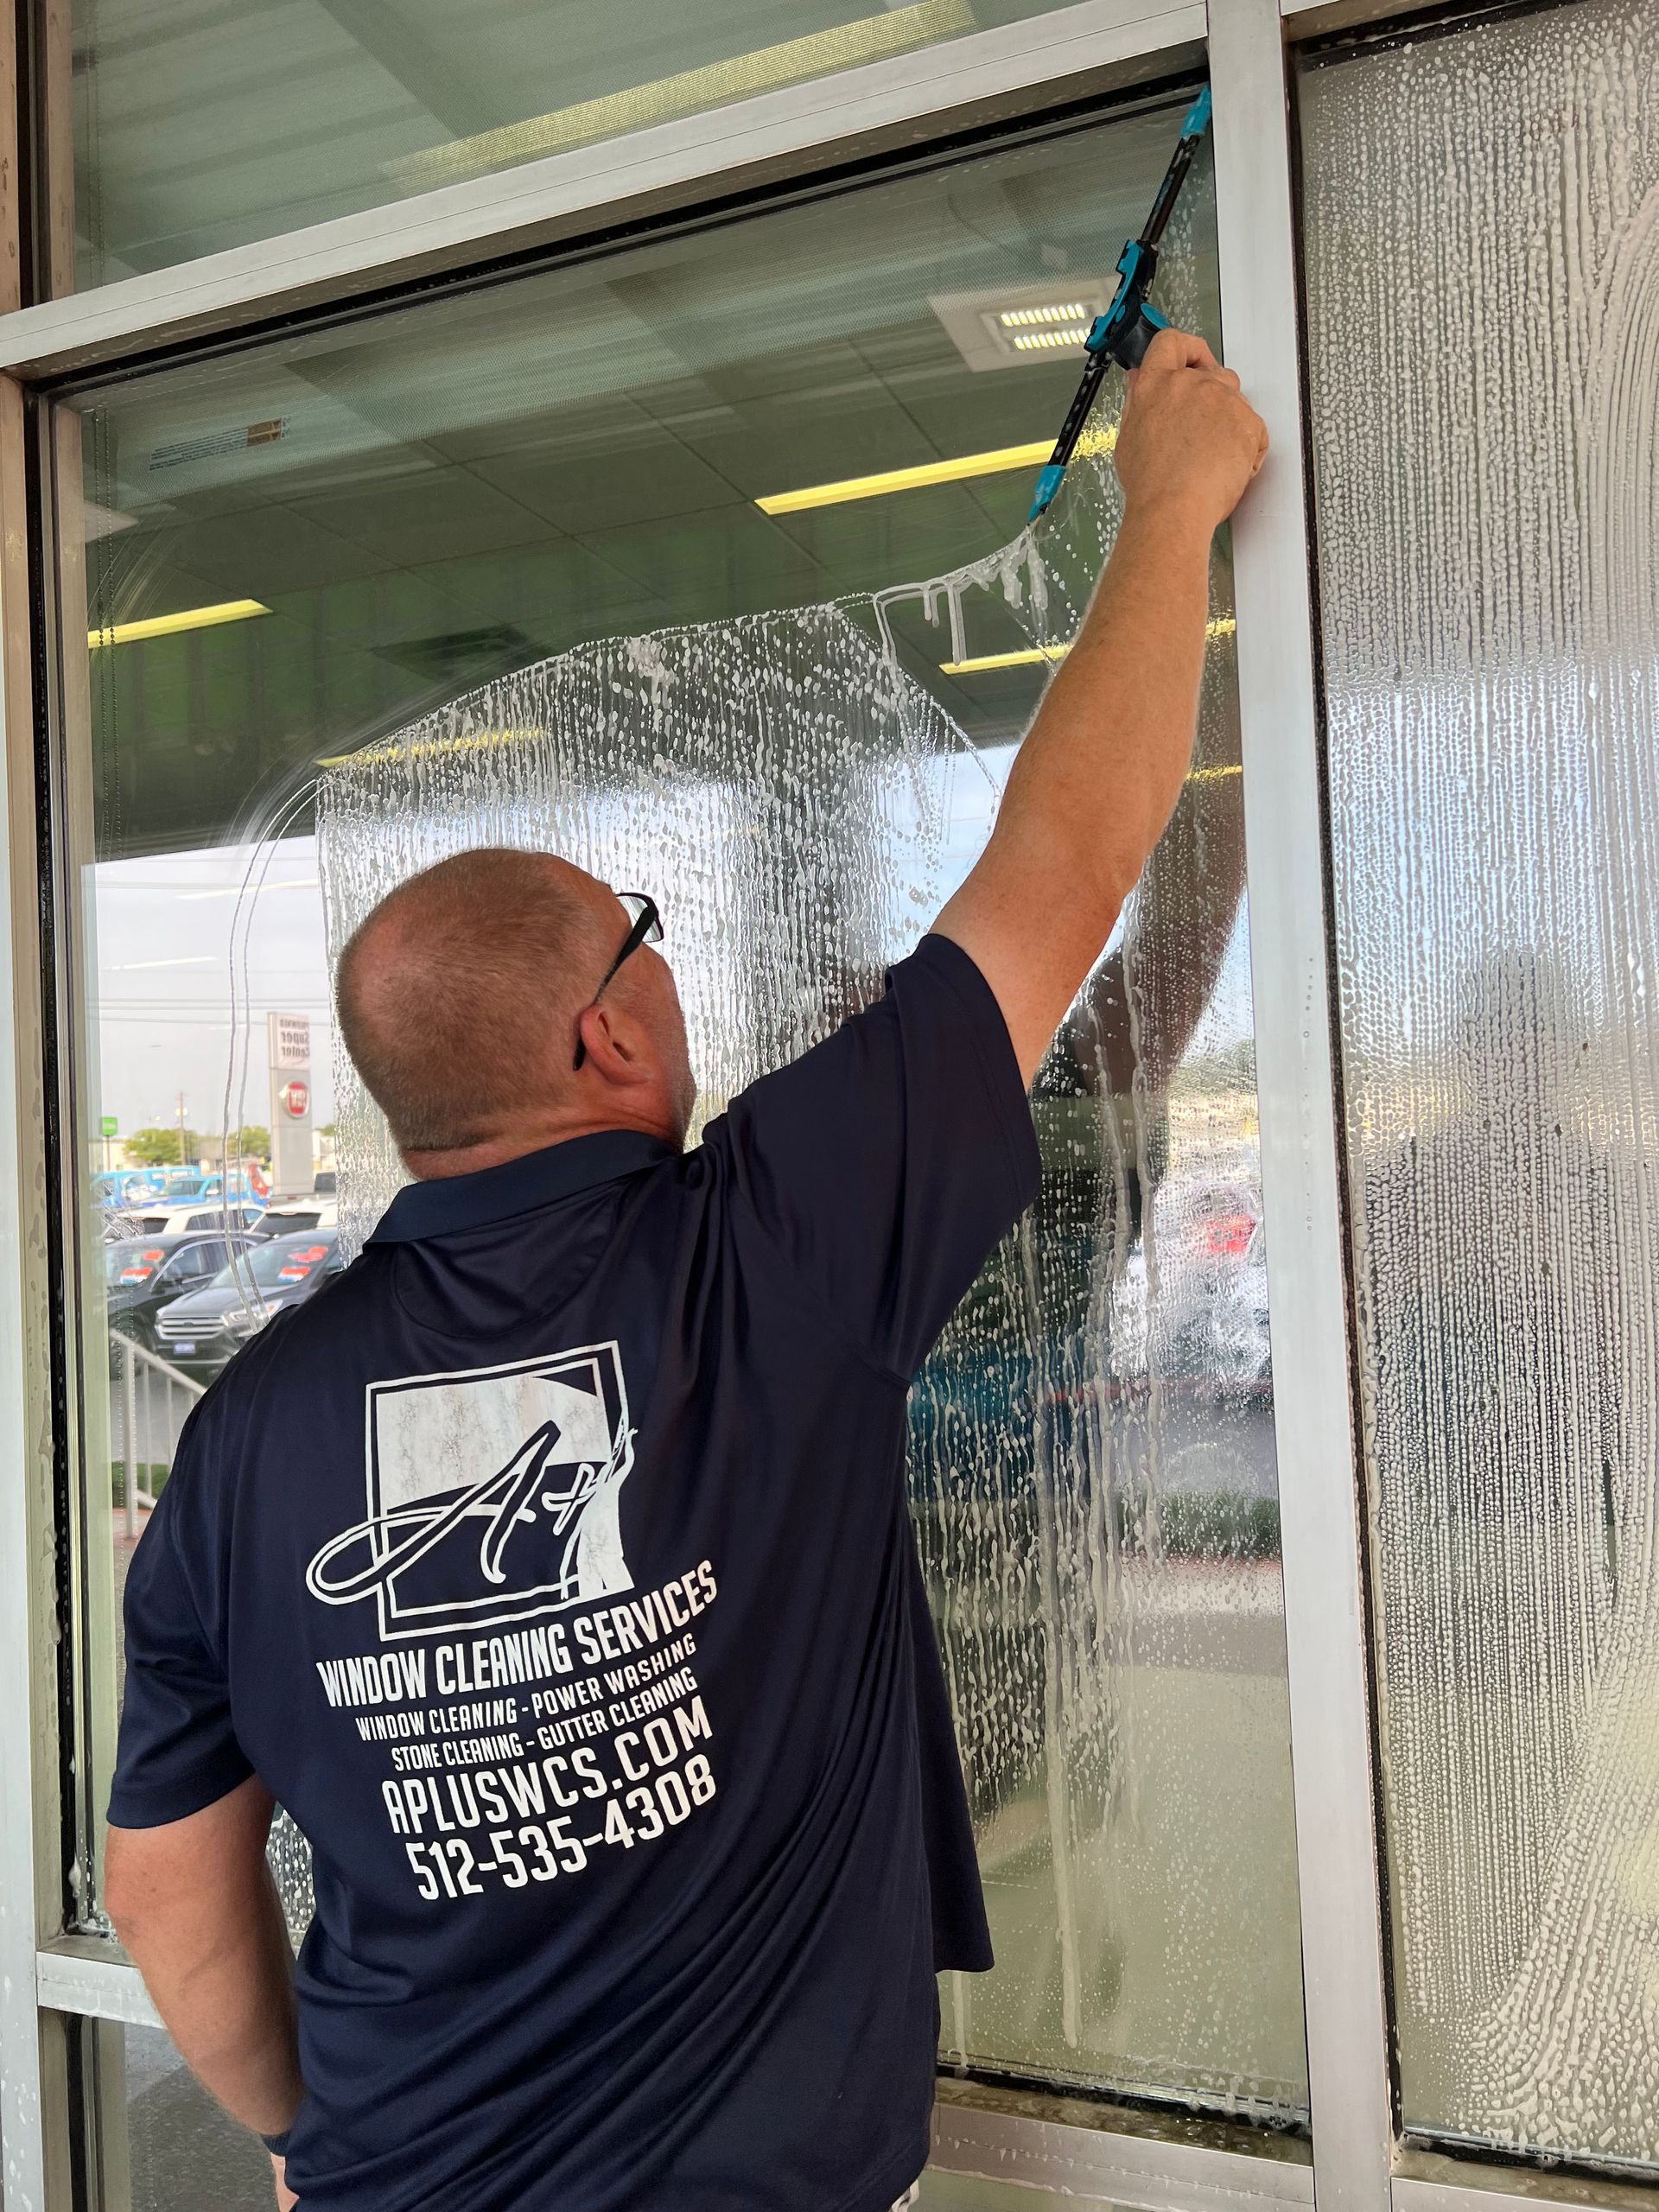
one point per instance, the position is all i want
(1128, 326)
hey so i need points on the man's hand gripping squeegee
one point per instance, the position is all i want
(1128, 326)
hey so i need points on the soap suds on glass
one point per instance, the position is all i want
(1488, 540)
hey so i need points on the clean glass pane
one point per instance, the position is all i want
(1487, 476)
(180, 2152)
(440, 505)
(968, 2193)
(199, 127)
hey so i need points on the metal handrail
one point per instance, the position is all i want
(132, 1354)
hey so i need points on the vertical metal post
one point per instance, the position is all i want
(129, 1439)
(1325, 1623)
(54, 169)
(34, 2100)
(90, 1394)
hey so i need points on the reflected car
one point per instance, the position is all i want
(201, 1332)
(205, 1214)
(176, 1185)
(1214, 1317)
(143, 1274)
(288, 1217)
(246, 1183)
(126, 1188)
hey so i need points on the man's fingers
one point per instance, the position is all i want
(1179, 349)
(1193, 437)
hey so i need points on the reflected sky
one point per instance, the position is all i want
(165, 927)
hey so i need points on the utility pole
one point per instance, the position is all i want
(183, 1158)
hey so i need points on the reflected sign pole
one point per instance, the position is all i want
(289, 1046)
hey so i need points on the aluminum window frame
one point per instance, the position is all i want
(51, 1983)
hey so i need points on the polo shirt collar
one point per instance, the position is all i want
(538, 1179)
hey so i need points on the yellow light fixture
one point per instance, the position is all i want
(377, 755)
(167, 625)
(1032, 656)
(792, 62)
(998, 463)
(1027, 657)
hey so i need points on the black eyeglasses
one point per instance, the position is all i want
(647, 929)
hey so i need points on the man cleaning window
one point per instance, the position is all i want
(552, 1566)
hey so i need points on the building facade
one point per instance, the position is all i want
(423, 423)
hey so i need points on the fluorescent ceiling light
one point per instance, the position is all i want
(1032, 656)
(1027, 318)
(819, 54)
(375, 754)
(1027, 657)
(1040, 341)
(965, 464)
(1020, 325)
(1043, 329)
(167, 625)
(1098, 439)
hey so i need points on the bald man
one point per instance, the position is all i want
(552, 1568)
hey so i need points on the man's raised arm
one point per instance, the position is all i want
(1099, 774)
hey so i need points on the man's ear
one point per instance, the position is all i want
(611, 1042)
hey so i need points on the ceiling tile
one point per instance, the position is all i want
(643, 477)
(267, 550)
(433, 514)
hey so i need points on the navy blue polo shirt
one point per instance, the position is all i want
(552, 1568)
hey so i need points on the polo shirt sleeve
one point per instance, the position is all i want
(888, 1160)
(177, 1750)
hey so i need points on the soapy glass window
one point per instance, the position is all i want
(292, 554)
(1487, 519)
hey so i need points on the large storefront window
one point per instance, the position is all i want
(1491, 654)
(199, 127)
(299, 557)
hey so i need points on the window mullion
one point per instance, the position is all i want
(1330, 1702)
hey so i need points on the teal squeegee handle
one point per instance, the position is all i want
(1128, 326)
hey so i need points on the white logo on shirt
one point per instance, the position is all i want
(492, 1496)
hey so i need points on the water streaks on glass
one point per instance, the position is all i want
(1487, 470)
